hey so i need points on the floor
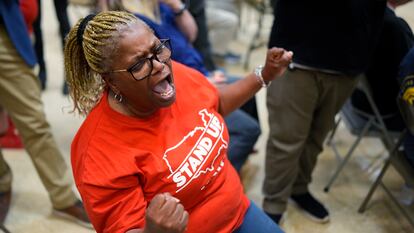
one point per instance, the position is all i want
(31, 209)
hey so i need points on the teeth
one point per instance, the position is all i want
(166, 93)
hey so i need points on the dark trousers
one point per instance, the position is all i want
(409, 148)
(202, 42)
(64, 28)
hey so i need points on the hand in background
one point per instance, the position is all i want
(217, 78)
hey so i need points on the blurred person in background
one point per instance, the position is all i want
(64, 27)
(20, 97)
(203, 45)
(395, 40)
(11, 137)
(223, 22)
(406, 78)
(333, 42)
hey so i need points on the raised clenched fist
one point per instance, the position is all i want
(277, 61)
(165, 214)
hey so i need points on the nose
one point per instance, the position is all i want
(157, 65)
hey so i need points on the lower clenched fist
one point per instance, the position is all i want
(165, 214)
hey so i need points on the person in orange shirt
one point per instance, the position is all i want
(151, 153)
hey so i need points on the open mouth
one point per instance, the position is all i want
(165, 88)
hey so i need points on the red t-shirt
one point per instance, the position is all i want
(120, 163)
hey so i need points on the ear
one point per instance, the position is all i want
(105, 77)
(110, 82)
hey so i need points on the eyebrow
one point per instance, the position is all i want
(137, 58)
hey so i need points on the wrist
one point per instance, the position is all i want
(258, 71)
(179, 10)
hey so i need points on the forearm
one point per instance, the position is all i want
(184, 20)
(102, 5)
(234, 95)
(187, 25)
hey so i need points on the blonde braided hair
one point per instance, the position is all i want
(85, 61)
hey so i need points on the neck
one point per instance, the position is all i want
(126, 109)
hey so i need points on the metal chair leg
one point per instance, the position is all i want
(330, 141)
(332, 134)
(403, 211)
(348, 155)
(4, 229)
(374, 186)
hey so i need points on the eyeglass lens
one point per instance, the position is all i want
(143, 68)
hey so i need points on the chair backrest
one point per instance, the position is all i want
(356, 120)
(389, 137)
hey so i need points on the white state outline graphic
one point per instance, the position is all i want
(203, 113)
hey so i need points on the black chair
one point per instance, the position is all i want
(403, 167)
(362, 124)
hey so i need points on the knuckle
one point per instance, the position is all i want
(149, 213)
(168, 225)
(180, 207)
(185, 215)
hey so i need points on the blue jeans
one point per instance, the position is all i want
(244, 131)
(257, 221)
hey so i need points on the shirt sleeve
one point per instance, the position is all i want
(114, 204)
(167, 14)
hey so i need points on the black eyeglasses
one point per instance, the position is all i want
(142, 69)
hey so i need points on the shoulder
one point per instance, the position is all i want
(392, 21)
(193, 88)
(190, 75)
(106, 165)
(99, 148)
